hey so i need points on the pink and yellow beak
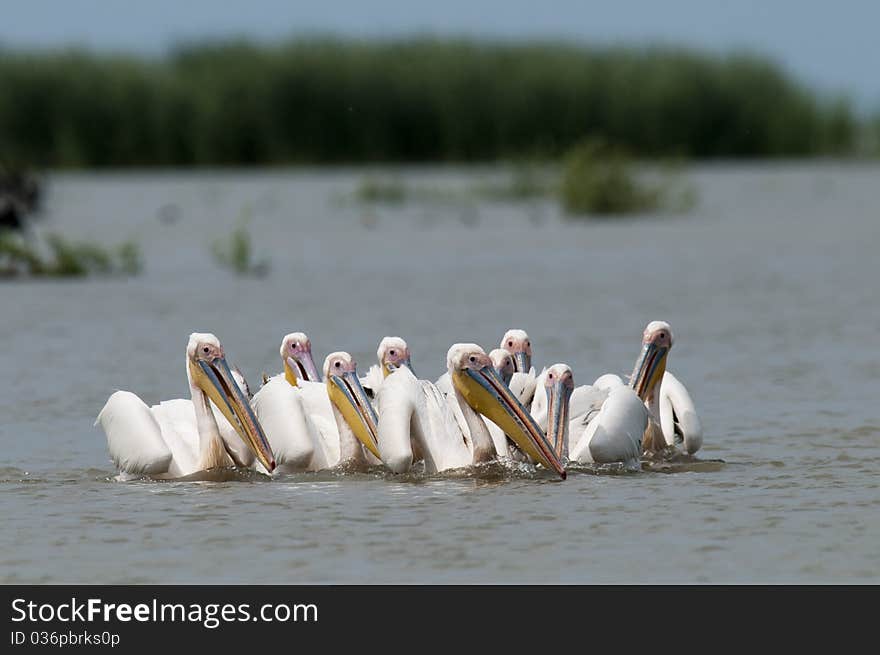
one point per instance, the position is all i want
(216, 380)
(485, 392)
(349, 397)
(559, 388)
(649, 369)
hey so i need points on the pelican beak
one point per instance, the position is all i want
(303, 368)
(389, 367)
(215, 379)
(558, 395)
(649, 370)
(486, 393)
(506, 376)
(521, 362)
(351, 400)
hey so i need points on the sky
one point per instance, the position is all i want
(833, 46)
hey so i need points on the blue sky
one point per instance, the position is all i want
(834, 46)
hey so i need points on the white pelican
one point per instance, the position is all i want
(416, 421)
(479, 390)
(615, 422)
(393, 352)
(179, 438)
(518, 344)
(448, 429)
(521, 381)
(290, 428)
(355, 417)
(522, 385)
(313, 425)
(674, 417)
(296, 357)
(503, 363)
(505, 366)
(607, 421)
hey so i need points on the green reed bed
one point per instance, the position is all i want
(325, 100)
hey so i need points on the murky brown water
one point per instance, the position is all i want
(770, 287)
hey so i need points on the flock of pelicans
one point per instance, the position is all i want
(484, 408)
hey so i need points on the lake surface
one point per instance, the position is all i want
(770, 285)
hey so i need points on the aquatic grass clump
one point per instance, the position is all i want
(373, 190)
(599, 178)
(523, 182)
(62, 257)
(235, 253)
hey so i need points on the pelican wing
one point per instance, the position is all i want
(613, 433)
(440, 419)
(177, 420)
(444, 384)
(316, 404)
(585, 403)
(134, 437)
(291, 435)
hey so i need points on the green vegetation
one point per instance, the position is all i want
(235, 253)
(874, 136)
(61, 257)
(376, 190)
(602, 179)
(524, 182)
(596, 178)
(411, 100)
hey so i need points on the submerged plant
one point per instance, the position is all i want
(374, 190)
(65, 257)
(524, 182)
(129, 258)
(235, 253)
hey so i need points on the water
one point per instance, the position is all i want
(770, 286)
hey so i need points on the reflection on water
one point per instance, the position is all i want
(769, 287)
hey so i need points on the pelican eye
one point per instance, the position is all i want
(392, 353)
(205, 350)
(473, 359)
(510, 344)
(337, 364)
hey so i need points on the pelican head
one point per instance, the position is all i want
(651, 364)
(558, 383)
(503, 363)
(208, 370)
(296, 354)
(517, 343)
(393, 353)
(475, 378)
(349, 397)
